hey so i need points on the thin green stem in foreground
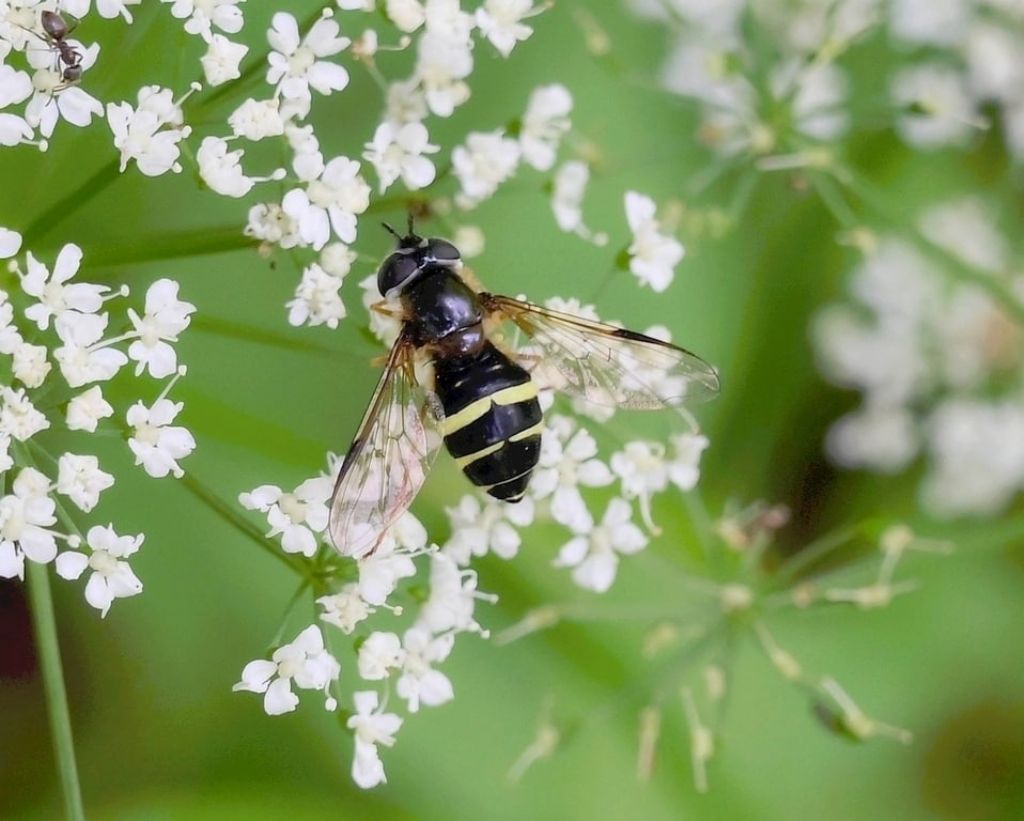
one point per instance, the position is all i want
(53, 682)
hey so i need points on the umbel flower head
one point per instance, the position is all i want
(84, 335)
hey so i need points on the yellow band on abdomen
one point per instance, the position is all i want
(474, 410)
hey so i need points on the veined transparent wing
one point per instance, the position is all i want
(387, 463)
(606, 364)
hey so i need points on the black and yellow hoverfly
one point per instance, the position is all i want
(480, 398)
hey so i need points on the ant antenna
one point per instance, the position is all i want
(392, 231)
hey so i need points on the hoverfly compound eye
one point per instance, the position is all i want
(443, 252)
(396, 271)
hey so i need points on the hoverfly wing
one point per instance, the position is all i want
(603, 363)
(387, 463)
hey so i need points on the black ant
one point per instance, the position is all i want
(57, 29)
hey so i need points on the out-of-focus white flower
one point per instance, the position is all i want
(297, 517)
(653, 255)
(570, 184)
(938, 109)
(257, 119)
(453, 597)
(479, 529)
(879, 437)
(222, 59)
(26, 519)
(397, 151)
(485, 161)
(406, 102)
(966, 228)
(594, 555)
(385, 328)
(221, 169)
(304, 662)
(156, 443)
(568, 460)
(379, 655)
(112, 576)
(419, 682)
(380, 572)
(165, 317)
(372, 727)
(407, 15)
(19, 418)
(296, 65)
(345, 609)
(317, 299)
(81, 480)
(501, 22)
(331, 201)
(545, 123)
(684, 466)
(442, 65)
(936, 22)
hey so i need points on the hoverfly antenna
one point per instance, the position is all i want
(409, 220)
(392, 231)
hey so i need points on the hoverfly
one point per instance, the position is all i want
(480, 399)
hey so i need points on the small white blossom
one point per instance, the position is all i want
(501, 22)
(485, 161)
(19, 418)
(156, 443)
(54, 292)
(419, 683)
(442, 65)
(298, 65)
(594, 555)
(380, 572)
(81, 480)
(407, 15)
(304, 662)
(201, 16)
(479, 529)
(269, 222)
(297, 517)
(221, 169)
(317, 299)
(53, 100)
(397, 151)
(257, 119)
(653, 255)
(332, 201)
(83, 358)
(165, 317)
(150, 132)
(371, 727)
(86, 410)
(345, 609)
(379, 655)
(30, 366)
(568, 189)
(545, 123)
(111, 577)
(939, 107)
(222, 59)
(26, 516)
(453, 597)
(10, 243)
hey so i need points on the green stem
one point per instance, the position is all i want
(56, 693)
(69, 205)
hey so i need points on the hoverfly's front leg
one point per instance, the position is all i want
(387, 309)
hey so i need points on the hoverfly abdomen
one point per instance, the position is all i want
(493, 421)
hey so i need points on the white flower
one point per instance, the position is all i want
(407, 15)
(653, 255)
(406, 102)
(453, 597)
(337, 258)
(397, 151)
(165, 317)
(19, 418)
(14, 130)
(257, 119)
(156, 444)
(83, 358)
(297, 516)
(332, 201)
(378, 655)
(221, 61)
(30, 366)
(106, 8)
(53, 100)
(879, 437)
(371, 727)
(940, 110)
(478, 529)
(937, 22)
(304, 663)
(569, 186)
(684, 468)
(26, 516)
(150, 133)
(54, 293)
(380, 572)
(86, 410)
(317, 299)
(419, 682)
(221, 169)
(10, 243)
(269, 222)
(568, 460)
(482, 164)
(594, 555)
(297, 65)
(112, 577)
(203, 15)
(345, 609)
(500, 21)
(442, 65)
(382, 326)
(545, 123)
(81, 480)
(15, 86)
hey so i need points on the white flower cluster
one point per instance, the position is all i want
(54, 382)
(939, 362)
(961, 56)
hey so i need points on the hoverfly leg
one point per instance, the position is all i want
(384, 309)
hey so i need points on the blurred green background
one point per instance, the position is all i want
(159, 733)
